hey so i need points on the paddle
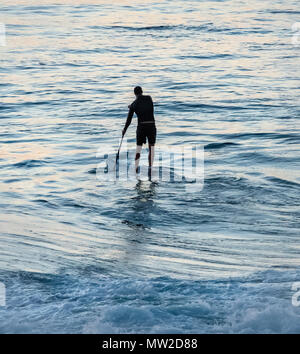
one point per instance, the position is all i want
(118, 153)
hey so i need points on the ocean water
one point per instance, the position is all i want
(81, 256)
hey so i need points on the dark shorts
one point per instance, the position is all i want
(146, 131)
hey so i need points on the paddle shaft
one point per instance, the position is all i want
(118, 153)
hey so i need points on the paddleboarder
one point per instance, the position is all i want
(142, 106)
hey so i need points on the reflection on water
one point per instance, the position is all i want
(138, 236)
(142, 204)
(146, 191)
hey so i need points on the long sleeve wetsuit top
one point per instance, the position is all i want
(143, 107)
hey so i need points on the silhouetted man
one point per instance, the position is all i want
(143, 107)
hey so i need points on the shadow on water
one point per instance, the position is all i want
(142, 205)
(139, 221)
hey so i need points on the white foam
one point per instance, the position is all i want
(260, 303)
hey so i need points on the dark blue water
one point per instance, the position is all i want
(78, 255)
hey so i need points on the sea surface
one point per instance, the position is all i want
(78, 255)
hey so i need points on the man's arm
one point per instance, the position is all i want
(152, 104)
(129, 118)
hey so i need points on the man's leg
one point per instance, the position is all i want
(137, 157)
(151, 155)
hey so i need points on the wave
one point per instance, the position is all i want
(181, 29)
(209, 27)
(212, 56)
(93, 303)
(289, 12)
(282, 181)
(263, 157)
(46, 203)
(155, 28)
(260, 135)
(209, 107)
(30, 163)
(213, 146)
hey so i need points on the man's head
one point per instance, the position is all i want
(138, 90)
